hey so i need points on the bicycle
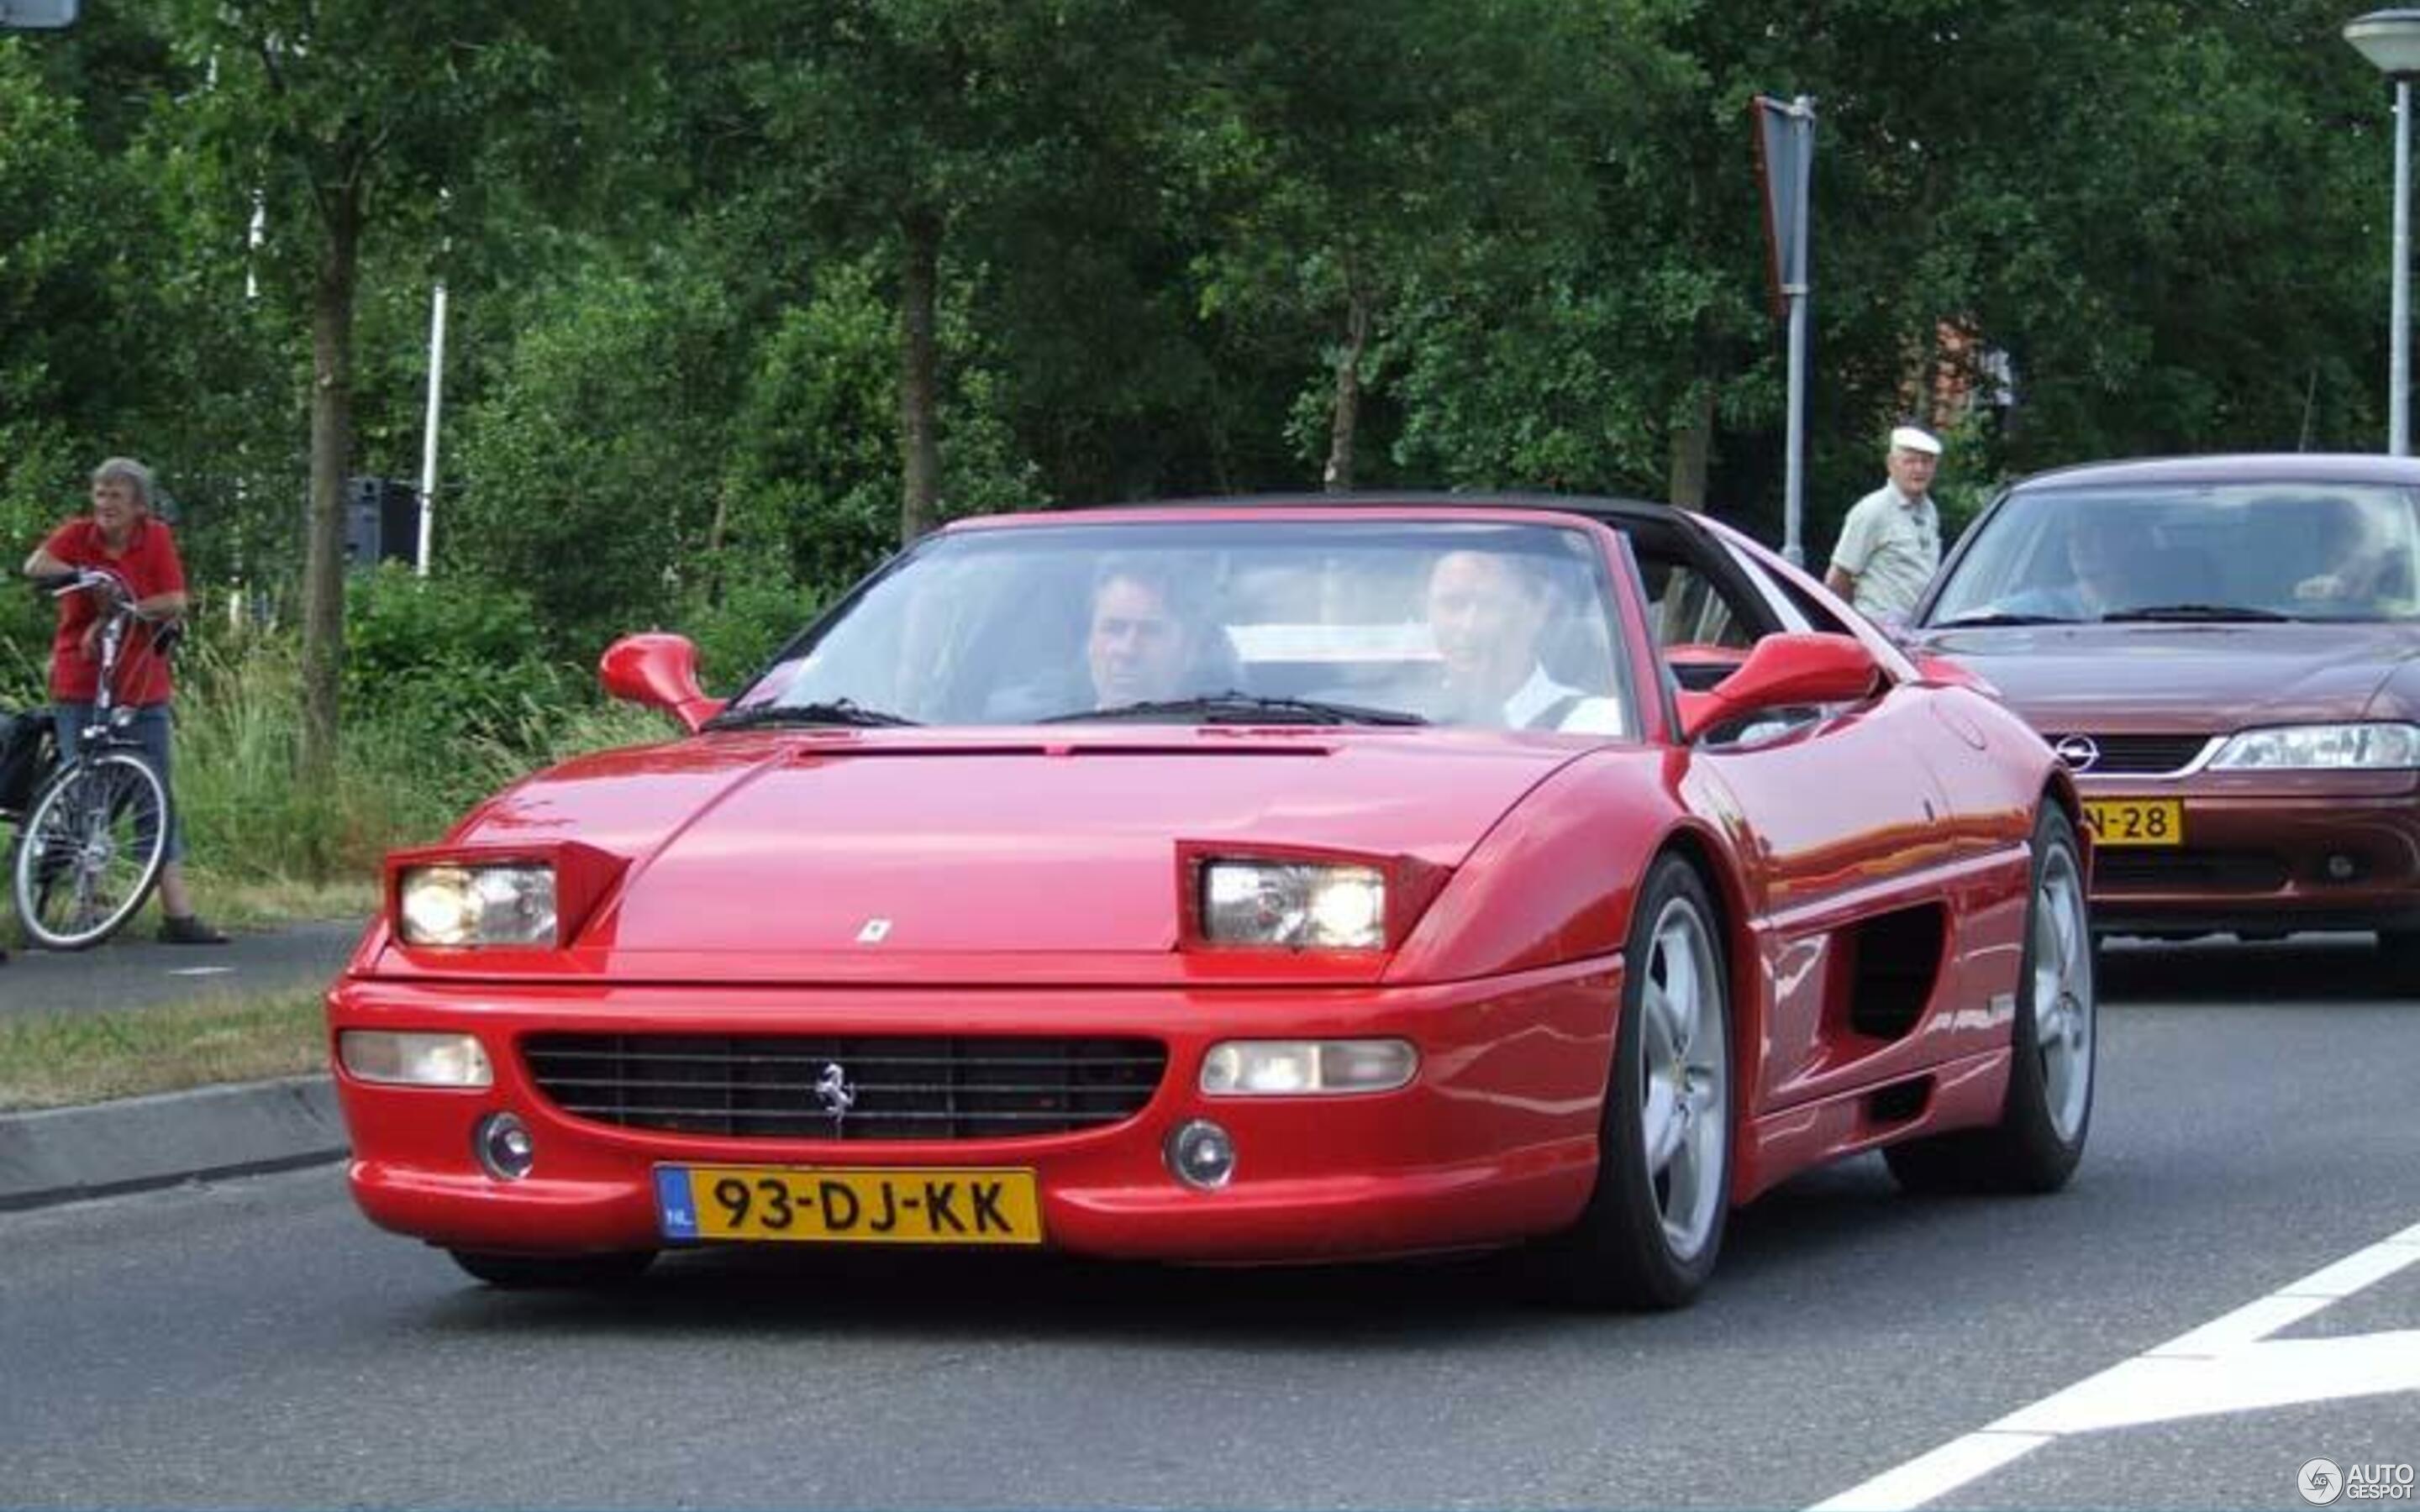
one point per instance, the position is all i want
(95, 837)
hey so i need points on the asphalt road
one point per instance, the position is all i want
(257, 1344)
(135, 970)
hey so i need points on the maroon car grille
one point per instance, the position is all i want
(2132, 755)
(2120, 869)
(769, 1087)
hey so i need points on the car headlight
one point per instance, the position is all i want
(505, 903)
(2321, 747)
(1310, 904)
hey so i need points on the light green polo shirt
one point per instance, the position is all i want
(1891, 548)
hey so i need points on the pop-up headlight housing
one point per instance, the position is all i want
(1300, 900)
(485, 897)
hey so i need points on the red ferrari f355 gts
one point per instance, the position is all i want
(1239, 881)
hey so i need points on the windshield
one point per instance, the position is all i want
(2247, 551)
(1275, 621)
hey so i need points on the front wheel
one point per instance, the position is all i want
(1653, 1225)
(90, 850)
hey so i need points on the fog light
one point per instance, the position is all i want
(2341, 868)
(504, 1146)
(1297, 1068)
(1201, 1155)
(415, 1059)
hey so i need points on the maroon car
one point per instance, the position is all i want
(2222, 649)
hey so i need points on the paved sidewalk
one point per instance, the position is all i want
(67, 1154)
(136, 970)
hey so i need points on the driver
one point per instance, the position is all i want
(1142, 641)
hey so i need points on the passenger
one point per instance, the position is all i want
(2354, 570)
(1489, 612)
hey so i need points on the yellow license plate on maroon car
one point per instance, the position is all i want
(2135, 820)
(850, 1206)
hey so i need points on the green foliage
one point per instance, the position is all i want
(430, 741)
(673, 235)
(456, 654)
(588, 474)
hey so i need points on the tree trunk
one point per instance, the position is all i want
(1338, 478)
(332, 446)
(1693, 450)
(920, 469)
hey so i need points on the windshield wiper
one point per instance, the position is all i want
(831, 711)
(1989, 617)
(1244, 708)
(2213, 614)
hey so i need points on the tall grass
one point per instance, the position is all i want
(403, 778)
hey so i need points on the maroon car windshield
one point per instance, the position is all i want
(2243, 552)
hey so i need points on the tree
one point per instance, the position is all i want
(349, 118)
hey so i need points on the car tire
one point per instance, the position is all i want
(2047, 1111)
(531, 1272)
(1653, 1225)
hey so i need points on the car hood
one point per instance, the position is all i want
(2182, 678)
(913, 843)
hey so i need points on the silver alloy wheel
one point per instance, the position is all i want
(2063, 993)
(1684, 1071)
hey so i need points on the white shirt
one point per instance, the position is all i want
(1891, 544)
(1587, 714)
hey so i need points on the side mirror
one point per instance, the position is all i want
(658, 671)
(1786, 671)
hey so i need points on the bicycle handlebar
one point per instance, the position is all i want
(112, 586)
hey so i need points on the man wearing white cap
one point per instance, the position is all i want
(1891, 541)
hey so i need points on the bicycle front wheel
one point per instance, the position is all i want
(90, 850)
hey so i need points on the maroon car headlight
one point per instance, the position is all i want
(510, 903)
(2372, 747)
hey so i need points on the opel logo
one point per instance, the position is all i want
(2078, 752)
(834, 1092)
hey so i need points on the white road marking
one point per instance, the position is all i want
(199, 971)
(2229, 1365)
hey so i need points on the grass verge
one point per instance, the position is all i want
(62, 1059)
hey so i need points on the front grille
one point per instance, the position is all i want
(2140, 755)
(769, 1087)
(2122, 868)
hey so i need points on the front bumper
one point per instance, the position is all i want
(1494, 1140)
(2311, 851)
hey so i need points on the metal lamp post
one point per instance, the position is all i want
(2391, 40)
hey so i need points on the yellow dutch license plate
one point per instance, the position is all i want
(2135, 820)
(859, 1206)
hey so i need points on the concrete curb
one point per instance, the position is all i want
(67, 1154)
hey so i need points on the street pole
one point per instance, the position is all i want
(429, 430)
(2390, 39)
(1793, 549)
(2398, 368)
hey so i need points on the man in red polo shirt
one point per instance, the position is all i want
(121, 535)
